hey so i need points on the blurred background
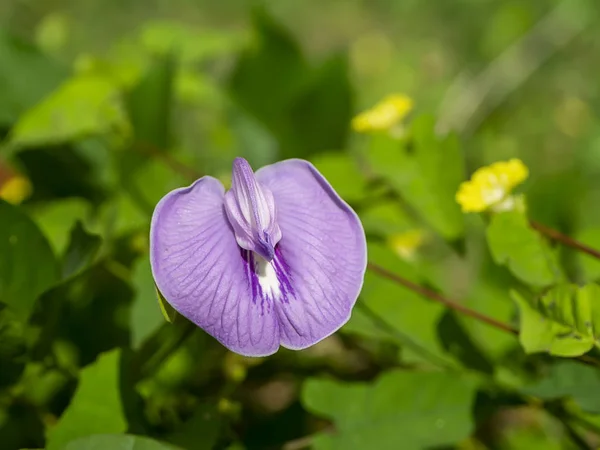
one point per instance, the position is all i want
(107, 105)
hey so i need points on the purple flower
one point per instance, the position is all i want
(279, 259)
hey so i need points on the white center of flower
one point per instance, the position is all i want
(494, 195)
(495, 192)
(267, 277)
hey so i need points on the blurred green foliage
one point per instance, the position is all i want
(107, 106)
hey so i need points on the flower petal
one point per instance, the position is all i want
(204, 275)
(321, 257)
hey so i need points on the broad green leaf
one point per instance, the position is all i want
(146, 312)
(96, 406)
(515, 244)
(342, 172)
(307, 109)
(427, 174)
(26, 76)
(116, 442)
(407, 410)
(55, 218)
(83, 248)
(321, 111)
(589, 264)
(570, 379)
(27, 265)
(252, 84)
(82, 106)
(459, 343)
(564, 322)
(149, 105)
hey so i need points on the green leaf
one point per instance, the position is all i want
(26, 76)
(82, 106)
(96, 406)
(513, 243)
(252, 84)
(564, 322)
(427, 174)
(342, 172)
(116, 442)
(146, 316)
(150, 104)
(307, 109)
(81, 252)
(27, 266)
(459, 343)
(589, 265)
(166, 309)
(53, 218)
(408, 410)
(569, 379)
(321, 111)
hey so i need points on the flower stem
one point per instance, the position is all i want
(564, 239)
(452, 304)
(425, 292)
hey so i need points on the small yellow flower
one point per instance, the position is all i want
(406, 244)
(15, 189)
(384, 116)
(491, 186)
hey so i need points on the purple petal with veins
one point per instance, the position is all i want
(278, 260)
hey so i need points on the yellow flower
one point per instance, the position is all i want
(15, 189)
(491, 186)
(406, 244)
(384, 116)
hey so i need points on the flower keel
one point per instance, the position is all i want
(251, 211)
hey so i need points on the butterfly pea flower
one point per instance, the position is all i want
(490, 187)
(277, 260)
(387, 115)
